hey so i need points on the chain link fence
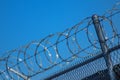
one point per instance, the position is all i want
(74, 54)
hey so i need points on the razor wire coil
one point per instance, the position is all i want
(47, 53)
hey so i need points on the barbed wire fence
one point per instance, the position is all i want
(76, 50)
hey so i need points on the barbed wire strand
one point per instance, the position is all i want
(14, 58)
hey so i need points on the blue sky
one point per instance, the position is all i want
(22, 21)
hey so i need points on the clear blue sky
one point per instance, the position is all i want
(22, 21)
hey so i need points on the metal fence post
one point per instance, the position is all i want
(104, 47)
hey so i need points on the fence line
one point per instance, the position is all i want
(40, 56)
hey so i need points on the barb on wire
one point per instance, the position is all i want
(77, 42)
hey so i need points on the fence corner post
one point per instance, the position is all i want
(103, 45)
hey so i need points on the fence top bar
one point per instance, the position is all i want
(83, 63)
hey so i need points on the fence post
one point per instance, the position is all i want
(104, 47)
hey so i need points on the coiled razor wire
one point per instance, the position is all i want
(60, 49)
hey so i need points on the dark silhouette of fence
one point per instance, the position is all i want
(87, 51)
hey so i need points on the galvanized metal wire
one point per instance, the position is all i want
(58, 50)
